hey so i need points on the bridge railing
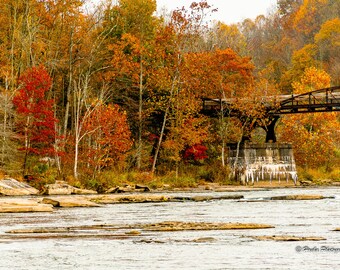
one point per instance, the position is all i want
(322, 100)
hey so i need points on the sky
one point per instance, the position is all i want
(229, 11)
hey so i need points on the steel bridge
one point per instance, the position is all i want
(322, 100)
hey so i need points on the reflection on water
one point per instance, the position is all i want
(179, 250)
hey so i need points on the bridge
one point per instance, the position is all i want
(322, 100)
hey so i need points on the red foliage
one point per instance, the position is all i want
(152, 137)
(196, 152)
(109, 136)
(35, 117)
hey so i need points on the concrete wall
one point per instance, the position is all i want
(266, 161)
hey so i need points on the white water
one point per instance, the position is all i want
(176, 250)
(262, 168)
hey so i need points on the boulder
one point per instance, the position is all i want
(74, 201)
(12, 187)
(58, 188)
(54, 203)
(142, 188)
(62, 188)
(81, 191)
(306, 182)
(117, 189)
(114, 190)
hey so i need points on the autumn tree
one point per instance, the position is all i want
(309, 17)
(221, 74)
(301, 60)
(132, 25)
(222, 36)
(108, 138)
(314, 136)
(176, 39)
(18, 35)
(36, 123)
(328, 42)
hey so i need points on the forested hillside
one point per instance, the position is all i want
(115, 93)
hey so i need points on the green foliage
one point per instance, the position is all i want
(319, 176)
(40, 168)
(184, 181)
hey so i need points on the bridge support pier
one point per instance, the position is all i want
(265, 161)
(270, 130)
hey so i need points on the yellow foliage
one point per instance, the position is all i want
(329, 32)
(312, 79)
(314, 136)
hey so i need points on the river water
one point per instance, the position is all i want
(232, 249)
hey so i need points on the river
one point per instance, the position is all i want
(230, 249)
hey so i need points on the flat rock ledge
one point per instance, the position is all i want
(137, 229)
(154, 198)
(22, 206)
(281, 238)
(49, 203)
(300, 197)
(68, 202)
(12, 187)
(43, 204)
(201, 226)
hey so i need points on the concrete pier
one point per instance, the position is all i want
(265, 161)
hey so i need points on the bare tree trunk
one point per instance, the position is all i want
(27, 144)
(223, 153)
(70, 79)
(160, 139)
(140, 117)
(223, 128)
(165, 119)
(223, 136)
(4, 137)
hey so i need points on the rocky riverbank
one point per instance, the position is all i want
(62, 195)
(52, 203)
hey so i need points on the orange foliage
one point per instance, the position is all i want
(314, 136)
(109, 137)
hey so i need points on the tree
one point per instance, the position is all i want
(132, 24)
(309, 17)
(222, 36)
(174, 41)
(328, 42)
(301, 60)
(314, 136)
(35, 123)
(220, 74)
(108, 138)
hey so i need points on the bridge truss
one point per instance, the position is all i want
(322, 100)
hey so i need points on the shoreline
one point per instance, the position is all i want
(205, 188)
(51, 203)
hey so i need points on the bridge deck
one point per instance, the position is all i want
(322, 100)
